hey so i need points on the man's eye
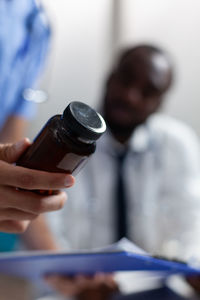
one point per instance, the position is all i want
(125, 77)
(125, 80)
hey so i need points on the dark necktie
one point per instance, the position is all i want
(121, 203)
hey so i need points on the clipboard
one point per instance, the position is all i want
(35, 265)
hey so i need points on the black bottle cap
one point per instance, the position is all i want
(83, 121)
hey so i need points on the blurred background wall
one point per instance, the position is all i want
(87, 34)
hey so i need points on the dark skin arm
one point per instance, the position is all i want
(99, 286)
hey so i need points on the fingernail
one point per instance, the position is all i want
(69, 181)
(19, 145)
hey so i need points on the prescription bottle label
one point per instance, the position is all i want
(68, 163)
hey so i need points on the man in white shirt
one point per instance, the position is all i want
(161, 168)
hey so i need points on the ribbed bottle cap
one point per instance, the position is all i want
(83, 121)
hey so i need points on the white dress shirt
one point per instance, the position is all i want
(162, 177)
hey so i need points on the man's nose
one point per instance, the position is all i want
(133, 95)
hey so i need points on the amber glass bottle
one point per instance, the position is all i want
(66, 141)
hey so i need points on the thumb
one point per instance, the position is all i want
(11, 152)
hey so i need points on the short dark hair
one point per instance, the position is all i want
(144, 52)
(146, 49)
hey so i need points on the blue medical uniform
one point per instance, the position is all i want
(24, 41)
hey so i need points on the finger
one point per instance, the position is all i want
(66, 286)
(11, 152)
(33, 179)
(13, 226)
(102, 282)
(86, 282)
(111, 284)
(16, 215)
(31, 202)
(107, 279)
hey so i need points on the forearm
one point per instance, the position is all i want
(13, 130)
(39, 237)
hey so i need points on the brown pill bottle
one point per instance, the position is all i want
(66, 141)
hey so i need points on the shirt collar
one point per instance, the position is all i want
(139, 141)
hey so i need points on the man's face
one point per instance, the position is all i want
(134, 92)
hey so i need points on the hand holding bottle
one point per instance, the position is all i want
(18, 204)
